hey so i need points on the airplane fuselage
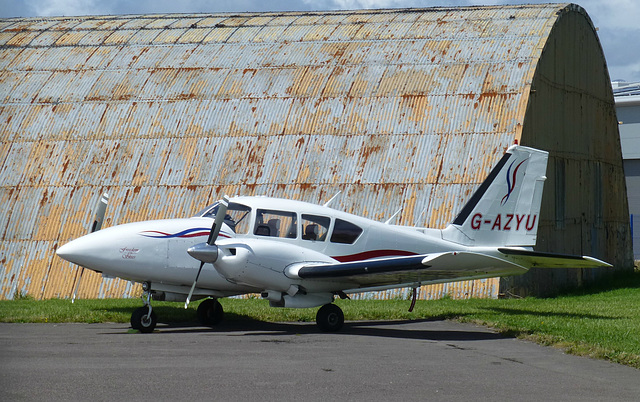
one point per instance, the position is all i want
(156, 251)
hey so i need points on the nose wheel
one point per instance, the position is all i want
(144, 318)
(210, 312)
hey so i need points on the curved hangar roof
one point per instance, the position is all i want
(397, 108)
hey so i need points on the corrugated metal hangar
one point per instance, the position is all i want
(405, 108)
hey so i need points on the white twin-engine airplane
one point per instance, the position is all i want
(302, 255)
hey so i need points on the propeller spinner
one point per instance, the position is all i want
(208, 252)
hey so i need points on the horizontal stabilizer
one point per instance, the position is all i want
(531, 259)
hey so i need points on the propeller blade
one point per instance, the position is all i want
(211, 241)
(186, 303)
(217, 223)
(75, 291)
(101, 208)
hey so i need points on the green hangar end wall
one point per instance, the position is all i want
(570, 112)
(406, 108)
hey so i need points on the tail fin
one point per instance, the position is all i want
(505, 209)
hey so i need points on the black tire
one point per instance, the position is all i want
(210, 312)
(141, 321)
(330, 318)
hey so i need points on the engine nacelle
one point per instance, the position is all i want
(301, 300)
(172, 297)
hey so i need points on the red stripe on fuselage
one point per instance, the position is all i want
(373, 254)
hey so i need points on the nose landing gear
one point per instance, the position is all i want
(210, 312)
(144, 319)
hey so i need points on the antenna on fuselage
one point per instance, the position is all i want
(326, 204)
(417, 222)
(388, 221)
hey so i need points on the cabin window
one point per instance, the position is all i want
(315, 227)
(276, 224)
(237, 216)
(345, 232)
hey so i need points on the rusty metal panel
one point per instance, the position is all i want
(68, 58)
(283, 19)
(46, 38)
(18, 39)
(94, 24)
(261, 20)
(194, 35)
(244, 34)
(19, 85)
(210, 21)
(133, 23)
(219, 34)
(65, 23)
(120, 36)
(169, 36)
(70, 38)
(144, 36)
(94, 38)
(409, 16)
(6, 36)
(6, 25)
(397, 108)
(162, 23)
(236, 20)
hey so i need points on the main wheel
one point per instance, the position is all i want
(210, 312)
(330, 318)
(142, 321)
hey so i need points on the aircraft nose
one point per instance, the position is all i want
(77, 251)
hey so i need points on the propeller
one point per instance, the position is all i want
(101, 208)
(208, 252)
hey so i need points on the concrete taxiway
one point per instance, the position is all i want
(243, 360)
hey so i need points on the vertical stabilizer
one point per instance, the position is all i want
(505, 209)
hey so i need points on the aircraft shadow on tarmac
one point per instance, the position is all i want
(401, 329)
(242, 325)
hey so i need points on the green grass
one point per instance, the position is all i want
(601, 322)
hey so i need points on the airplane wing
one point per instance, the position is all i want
(531, 259)
(424, 269)
(438, 267)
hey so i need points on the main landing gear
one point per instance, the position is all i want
(144, 319)
(330, 318)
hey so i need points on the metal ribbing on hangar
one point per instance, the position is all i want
(396, 108)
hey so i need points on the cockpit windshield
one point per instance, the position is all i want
(237, 216)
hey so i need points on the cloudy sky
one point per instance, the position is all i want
(617, 20)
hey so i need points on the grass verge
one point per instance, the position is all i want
(601, 322)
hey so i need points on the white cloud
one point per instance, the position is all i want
(613, 14)
(67, 7)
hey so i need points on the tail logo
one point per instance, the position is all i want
(511, 180)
